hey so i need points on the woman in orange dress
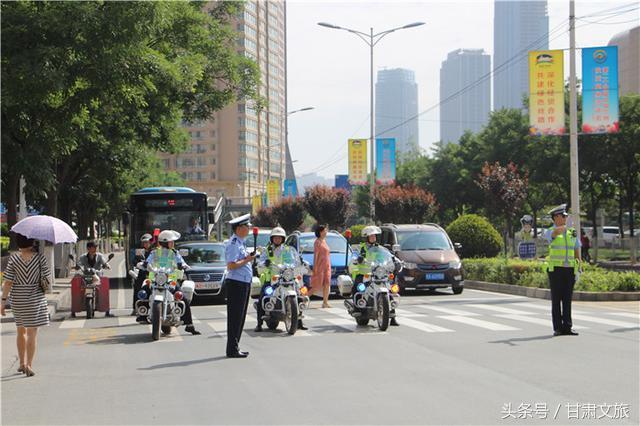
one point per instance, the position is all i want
(321, 278)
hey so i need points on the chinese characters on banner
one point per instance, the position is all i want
(256, 204)
(385, 161)
(600, 90)
(357, 161)
(273, 191)
(290, 188)
(546, 92)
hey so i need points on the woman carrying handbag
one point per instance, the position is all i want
(25, 280)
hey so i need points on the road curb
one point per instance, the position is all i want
(544, 293)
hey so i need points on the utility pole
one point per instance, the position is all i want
(573, 121)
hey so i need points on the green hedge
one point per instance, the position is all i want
(476, 234)
(531, 274)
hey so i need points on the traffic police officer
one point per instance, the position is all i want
(145, 240)
(272, 256)
(370, 233)
(562, 263)
(237, 283)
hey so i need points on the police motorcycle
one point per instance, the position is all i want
(285, 298)
(166, 303)
(90, 288)
(377, 294)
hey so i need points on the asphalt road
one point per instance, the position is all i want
(475, 358)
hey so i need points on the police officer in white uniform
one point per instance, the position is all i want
(237, 283)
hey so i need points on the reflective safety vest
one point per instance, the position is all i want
(562, 250)
(166, 258)
(360, 268)
(275, 257)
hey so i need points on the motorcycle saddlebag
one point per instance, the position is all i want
(187, 288)
(345, 285)
(256, 286)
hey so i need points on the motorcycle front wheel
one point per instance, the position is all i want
(166, 329)
(272, 324)
(156, 317)
(291, 315)
(383, 312)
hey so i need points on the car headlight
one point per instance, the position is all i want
(409, 265)
(456, 264)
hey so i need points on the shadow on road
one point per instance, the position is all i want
(126, 339)
(183, 363)
(515, 340)
(624, 330)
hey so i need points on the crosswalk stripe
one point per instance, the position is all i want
(342, 313)
(500, 309)
(126, 320)
(606, 321)
(448, 311)
(78, 323)
(408, 314)
(545, 307)
(219, 327)
(533, 320)
(343, 323)
(478, 323)
(120, 298)
(628, 315)
(422, 326)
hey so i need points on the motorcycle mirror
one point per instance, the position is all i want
(111, 255)
(458, 246)
(395, 247)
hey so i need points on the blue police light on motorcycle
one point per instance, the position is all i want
(142, 295)
(268, 291)
(361, 287)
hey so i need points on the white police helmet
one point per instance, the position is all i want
(526, 219)
(370, 230)
(278, 232)
(168, 235)
(145, 238)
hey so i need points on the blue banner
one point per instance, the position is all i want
(290, 188)
(385, 161)
(600, 112)
(342, 182)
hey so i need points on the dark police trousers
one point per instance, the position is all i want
(237, 301)
(561, 281)
(260, 309)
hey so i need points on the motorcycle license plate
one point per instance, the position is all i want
(435, 276)
(88, 292)
(207, 286)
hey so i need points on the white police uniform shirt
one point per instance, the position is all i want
(236, 250)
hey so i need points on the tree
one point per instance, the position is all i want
(91, 84)
(506, 191)
(327, 205)
(289, 213)
(265, 218)
(410, 204)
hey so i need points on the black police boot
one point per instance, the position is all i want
(191, 329)
(394, 322)
(301, 325)
(258, 328)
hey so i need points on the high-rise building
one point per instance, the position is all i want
(518, 27)
(628, 43)
(465, 97)
(396, 103)
(238, 149)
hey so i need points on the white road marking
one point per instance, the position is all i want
(479, 323)
(448, 311)
(544, 307)
(403, 313)
(342, 313)
(419, 325)
(77, 323)
(122, 320)
(219, 327)
(533, 320)
(120, 299)
(501, 309)
(628, 315)
(606, 321)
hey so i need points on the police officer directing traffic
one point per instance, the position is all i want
(562, 263)
(237, 283)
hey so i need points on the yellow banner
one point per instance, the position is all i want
(273, 191)
(546, 92)
(357, 161)
(256, 203)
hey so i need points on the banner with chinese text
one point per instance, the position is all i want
(385, 161)
(600, 110)
(273, 191)
(256, 204)
(357, 161)
(546, 92)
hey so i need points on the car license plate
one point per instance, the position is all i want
(434, 276)
(207, 286)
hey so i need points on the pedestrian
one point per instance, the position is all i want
(22, 277)
(586, 245)
(321, 277)
(562, 263)
(238, 283)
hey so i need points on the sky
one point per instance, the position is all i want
(329, 69)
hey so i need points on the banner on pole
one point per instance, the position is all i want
(358, 161)
(342, 182)
(290, 188)
(600, 110)
(273, 191)
(385, 161)
(546, 92)
(256, 204)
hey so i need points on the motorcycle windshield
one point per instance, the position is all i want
(379, 258)
(289, 257)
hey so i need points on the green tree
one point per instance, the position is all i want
(409, 204)
(327, 205)
(289, 213)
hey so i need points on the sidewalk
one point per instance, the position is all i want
(58, 299)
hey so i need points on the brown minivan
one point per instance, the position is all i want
(429, 256)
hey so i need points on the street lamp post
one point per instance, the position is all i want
(371, 40)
